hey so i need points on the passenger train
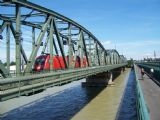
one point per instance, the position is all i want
(42, 62)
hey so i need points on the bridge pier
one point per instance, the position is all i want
(102, 79)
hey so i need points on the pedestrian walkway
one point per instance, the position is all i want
(151, 93)
(106, 104)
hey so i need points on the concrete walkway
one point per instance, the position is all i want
(106, 104)
(151, 92)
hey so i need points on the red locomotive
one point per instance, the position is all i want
(42, 62)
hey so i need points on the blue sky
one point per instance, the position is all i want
(133, 26)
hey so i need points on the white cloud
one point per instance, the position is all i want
(106, 42)
(148, 54)
(136, 49)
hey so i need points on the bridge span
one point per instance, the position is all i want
(50, 49)
(67, 50)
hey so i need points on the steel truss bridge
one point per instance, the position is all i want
(28, 30)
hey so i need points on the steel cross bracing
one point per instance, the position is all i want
(30, 30)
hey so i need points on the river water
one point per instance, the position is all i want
(128, 106)
(65, 104)
(62, 106)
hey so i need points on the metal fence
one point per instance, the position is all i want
(142, 111)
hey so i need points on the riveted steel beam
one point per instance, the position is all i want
(97, 53)
(45, 45)
(90, 57)
(33, 38)
(60, 43)
(22, 50)
(51, 44)
(8, 45)
(70, 52)
(37, 45)
(2, 27)
(85, 50)
(18, 40)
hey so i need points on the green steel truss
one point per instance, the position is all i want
(49, 29)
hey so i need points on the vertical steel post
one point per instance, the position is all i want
(118, 59)
(85, 49)
(22, 50)
(94, 54)
(37, 45)
(45, 45)
(61, 46)
(51, 45)
(90, 59)
(100, 56)
(76, 52)
(103, 58)
(33, 38)
(70, 54)
(81, 48)
(18, 40)
(97, 53)
(111, 59)
(106, 57)
(8, 46)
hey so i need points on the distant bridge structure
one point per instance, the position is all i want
(47, 32)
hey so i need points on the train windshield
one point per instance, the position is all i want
(40, 61)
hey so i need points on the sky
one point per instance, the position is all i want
(130, 26)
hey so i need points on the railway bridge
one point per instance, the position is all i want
(50, 49)
(28, 30)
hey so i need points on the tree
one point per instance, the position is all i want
(12, 63)
(130, 62)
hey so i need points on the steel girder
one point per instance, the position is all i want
(58, 32)
(10, 88)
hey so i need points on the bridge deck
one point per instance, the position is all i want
(105, 105)
(151, 92)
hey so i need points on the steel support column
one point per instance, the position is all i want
(8, 46)
(85, 50)
(70, 53)
(90, 59)
(22, 50)
(18, 40)
(51, 45)
(97, 53)
(81, 48)
(33, 38)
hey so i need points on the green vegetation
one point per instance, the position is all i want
(12, 63)
(130, 63)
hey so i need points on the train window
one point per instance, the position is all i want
(40, 61)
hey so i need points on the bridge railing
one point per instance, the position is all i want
(142, 110)
(151, 65)
(13, 87)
